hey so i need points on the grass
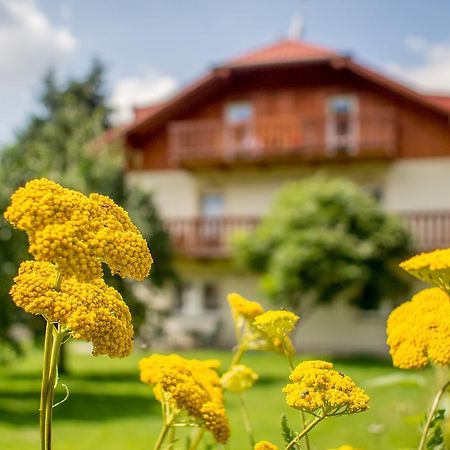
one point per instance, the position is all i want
(109, 409)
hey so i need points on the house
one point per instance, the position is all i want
(216, 153)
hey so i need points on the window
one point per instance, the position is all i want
(193, 298)
(238, 112)
(342, 125)
(179, 294)
(212, 204)
(210, 297)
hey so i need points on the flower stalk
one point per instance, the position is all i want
(434, 406)
(53, 340)
(304, 432)
(246, 421)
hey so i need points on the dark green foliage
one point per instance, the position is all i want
(61, 143)
(435, 438)
(287, 433)
(327, 239)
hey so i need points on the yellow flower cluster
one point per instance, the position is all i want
(238, 379)
(77, 233)
(317, 388)
(260, 330)
(189, 385)
(419, 330)
(240, 306)
(344, 447)
(92, 311)
(215, 420)
(432, 267)
(265, 445)
(276, 324)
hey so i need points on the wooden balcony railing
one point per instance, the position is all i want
(312, 137)
(430, 229)
(211, 237)
(208, 237)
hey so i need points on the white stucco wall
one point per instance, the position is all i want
(406, 184)
(175, 192)
(418, 184)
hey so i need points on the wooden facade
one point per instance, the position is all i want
(286, 96)
(289, 119)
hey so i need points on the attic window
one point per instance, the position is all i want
(238, 112)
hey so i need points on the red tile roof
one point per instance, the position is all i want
(277, 54)
(441, 100)
(141, 112)
(285, 50)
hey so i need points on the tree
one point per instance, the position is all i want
(57, 143)
(326, 239)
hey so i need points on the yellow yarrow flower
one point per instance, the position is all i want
(345, 447)
(90, 311)
(189, 385)
(238, 379)
(432, 267)
(265, 445)
(318, 388)
(419, 330)
(77, 233)
(215, 420)
(240, 306)
(276, 324)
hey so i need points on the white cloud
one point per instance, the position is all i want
(432, 73)
(129, 92)
(29, 42)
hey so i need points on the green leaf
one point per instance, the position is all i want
(287, 433)
(435, 434)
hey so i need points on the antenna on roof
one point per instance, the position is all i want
(297, 27)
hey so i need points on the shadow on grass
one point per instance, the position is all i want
(131, 377)
(16, 408)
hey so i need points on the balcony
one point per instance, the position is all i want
(281, 138)
(207, 237)
(210, 238)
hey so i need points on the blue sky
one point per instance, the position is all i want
(151, 47)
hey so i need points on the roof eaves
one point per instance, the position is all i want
(392, 85)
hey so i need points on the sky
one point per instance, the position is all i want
(151, 48)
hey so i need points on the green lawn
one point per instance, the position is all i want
(109, 409)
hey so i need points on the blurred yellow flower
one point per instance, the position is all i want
(432, 267)
(319, 389)
(344, 447)
(243, 307)
(265, 445)
(276, 324)
(419, 330)
(238, 379)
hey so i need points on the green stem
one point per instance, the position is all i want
(237, 356)
(162, 435)
(197, 439)
(58, 336)
(291, 366)
(246, 420)
(437, 398)
(304, 432)
(45, 374)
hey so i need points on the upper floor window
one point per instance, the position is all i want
(238, 112)
(342, 126)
